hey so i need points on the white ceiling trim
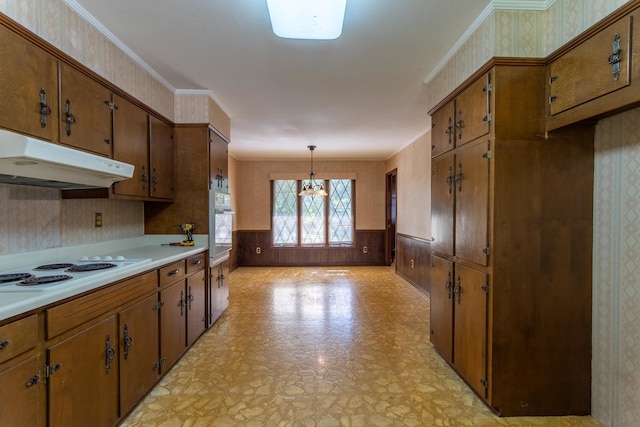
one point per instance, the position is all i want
(494, 5)
(108, 34)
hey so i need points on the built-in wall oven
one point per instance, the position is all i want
(220, 225)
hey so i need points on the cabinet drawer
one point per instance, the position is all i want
(76, 312)
(18, 337)
(588, 71)
(172, 273)
(195, 263)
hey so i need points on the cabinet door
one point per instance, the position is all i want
(139, 351)
(173, 324)
(442, 203)
(161, 152)
(219, 290)
(84, 377)
(470, 327)
(85, 114)
(196, 317)
(130, 145)
(28, 88)
(472, 112)
(472, 203)
(589, 70)
(442, 129)
(218, 151)
(442, 307)
(19, 394)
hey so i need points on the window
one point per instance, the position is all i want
(312, 220)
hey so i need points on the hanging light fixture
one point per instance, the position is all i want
(311, 188)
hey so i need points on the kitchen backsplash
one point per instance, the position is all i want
(34, 218)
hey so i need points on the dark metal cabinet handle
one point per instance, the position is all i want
(458, 177)
(45, 110)
(182, 303)
(4, 344)
(69, 118)
(33, 380)
(457, 290)
(447, 286)
(110, 354)
(128, 341)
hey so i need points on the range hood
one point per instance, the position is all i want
(29, 161)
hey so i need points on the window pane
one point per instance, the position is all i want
(312, 220)
(340, 212)
(285, 212)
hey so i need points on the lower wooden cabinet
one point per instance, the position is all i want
(83, 377)
(173, 332)
(20, 393)
(196, 314)
(442, 307)
(139, 362)
(218, 295)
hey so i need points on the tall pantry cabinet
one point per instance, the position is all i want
(511, 250)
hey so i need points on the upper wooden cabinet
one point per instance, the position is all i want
(462, 119)
(597, 73)
(161, 159)
(28, 88)
(85, 113)
(218, 166)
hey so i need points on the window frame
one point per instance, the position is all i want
(326, 213)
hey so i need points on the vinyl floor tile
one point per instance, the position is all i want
(320, 347)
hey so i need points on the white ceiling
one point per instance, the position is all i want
(361, 96)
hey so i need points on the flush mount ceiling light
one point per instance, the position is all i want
(311, 188)
(307, 19)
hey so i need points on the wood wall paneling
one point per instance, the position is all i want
(413, 260)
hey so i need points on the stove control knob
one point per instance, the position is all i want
(84, 258)
(108, 258)
(119, 258)
(95, 258)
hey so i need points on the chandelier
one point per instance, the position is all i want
(311, 188)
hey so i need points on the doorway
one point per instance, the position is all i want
(391, 215)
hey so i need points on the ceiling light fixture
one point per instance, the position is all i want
(311, 188)
(307, 19)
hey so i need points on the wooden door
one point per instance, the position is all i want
(196, 314)
(219, 290)
(587, 72)
(20, 390)
(173, 324)
(472, 203)
(85, 113)
(442, 204)
(83, 386)
(470, 327)
(130, 145)
(139, 351)
(28, 88)
(472, 112)
(442, 129)
(442, 306)
(162, 155)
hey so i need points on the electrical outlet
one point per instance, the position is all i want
(97, 220)
(412, 264)
(365, 250)
(258, 250)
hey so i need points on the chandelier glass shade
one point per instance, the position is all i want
(311, 188)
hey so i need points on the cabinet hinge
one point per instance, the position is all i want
(488, 88)
(51, 369)
(487, 118)
(485, 288)
(484, 383)
(111, 105)
(487, 155)
(486, 250)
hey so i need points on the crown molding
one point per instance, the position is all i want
(82, 12)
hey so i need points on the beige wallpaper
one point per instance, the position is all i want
(254, 199)
(413, 163)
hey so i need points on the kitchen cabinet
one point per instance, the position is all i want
(83, 377)
(28, 87)
(218, 295)
(511, 255)
(85, 112)
(196, 315)
(130, 145)
(20, 375)
(161, 159)
(139, 351)
(218, 166)
(173, 332)
(595, 74)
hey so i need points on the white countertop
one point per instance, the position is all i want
(144, 247)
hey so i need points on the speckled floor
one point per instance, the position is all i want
(320, 347)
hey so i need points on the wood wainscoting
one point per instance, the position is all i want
(413, 261)
(269, 256)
